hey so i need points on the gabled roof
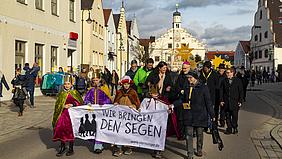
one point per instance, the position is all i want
(128, 27)
(116, 20)
(107, 13)
(246, 46)
(146, 42)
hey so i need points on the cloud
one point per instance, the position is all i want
(242, 12)
(220, 37)
(155, 18)
(204, 3)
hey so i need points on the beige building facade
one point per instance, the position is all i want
(42, 31)
(121, 41)
(93, 36)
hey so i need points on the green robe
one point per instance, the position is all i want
(60, 103)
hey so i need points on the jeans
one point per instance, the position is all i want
(30, 91)
(189, 139)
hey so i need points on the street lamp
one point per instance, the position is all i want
(89, 21)
(121, 48)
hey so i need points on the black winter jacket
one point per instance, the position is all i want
(232, 94)
(201, 106)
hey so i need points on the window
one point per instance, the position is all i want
(54, 55)
(169, 46)
(266, 53)
(256, 55)
(96, 27)
(169, 58)
(21, 1)
(177, 25)
(260, 37)
(71, 10)
(20, 54)
(266, 34)
(54, 7)
(39, 4)
(260, 54)
(280, 20)
(256, 38)
(157, 58)
(260, 15)
(39, 60)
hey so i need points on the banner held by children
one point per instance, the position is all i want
(120, 125)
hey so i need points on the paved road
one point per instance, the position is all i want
(35, 142)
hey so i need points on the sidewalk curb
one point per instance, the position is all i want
(274, 132)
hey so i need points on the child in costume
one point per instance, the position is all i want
(61, 119)
(129, 97)
(155, 102)
(98, 94)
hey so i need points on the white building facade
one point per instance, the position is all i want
(110, 56)
(165, 47)
(41, 31)
(134, 48)
(241, 56)
(267, 36)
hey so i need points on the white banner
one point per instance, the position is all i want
(120, 125)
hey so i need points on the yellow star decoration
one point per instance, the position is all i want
(216, 61)
(184, 52)
(227, 64)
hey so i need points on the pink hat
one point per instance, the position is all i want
(186, 63)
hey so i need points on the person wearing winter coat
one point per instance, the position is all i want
(231, 97)
(3, 81)
(161, 77)
(177, 95)
(141, 77)
(196, 107)
(19, 95)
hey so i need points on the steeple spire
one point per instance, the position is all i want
(177, 7)
(122, 4)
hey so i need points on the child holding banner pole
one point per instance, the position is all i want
(155, 102)
(98, 94)
(129, 97)
(61, 119)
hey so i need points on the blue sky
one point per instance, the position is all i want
(218, 23)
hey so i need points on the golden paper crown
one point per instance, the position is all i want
(69, 78)
(153, 89)
(97, 74)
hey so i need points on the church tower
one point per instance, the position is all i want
(176, 18)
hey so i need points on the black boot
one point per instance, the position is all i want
(70, 151)
(235, 131)
(62, 150)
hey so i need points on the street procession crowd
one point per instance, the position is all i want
(197, 99)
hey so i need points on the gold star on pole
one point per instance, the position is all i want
(184, 52)
(216, 61)
(228, 64)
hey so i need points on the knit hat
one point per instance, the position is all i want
(126, 79)
(221, 66)
(193, 74)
